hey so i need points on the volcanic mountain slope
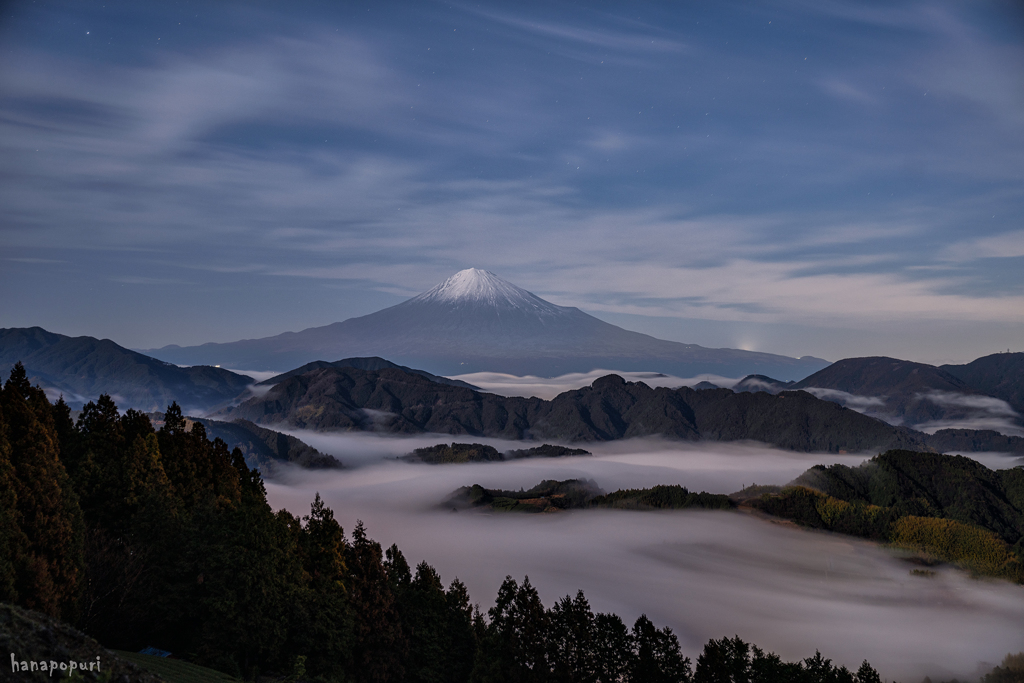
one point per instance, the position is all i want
(916, 394)
(397, 402)
(82, 368)
(475, 321)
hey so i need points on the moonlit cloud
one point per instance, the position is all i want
(981, 412)
(255, 172)
(707, 575)
(861, 404)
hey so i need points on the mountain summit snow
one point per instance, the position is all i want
(475, 287)
(475, 321)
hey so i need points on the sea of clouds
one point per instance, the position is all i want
(707, 574)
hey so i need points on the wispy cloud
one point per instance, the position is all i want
(707, 172)
(872, 405)
(978, 412)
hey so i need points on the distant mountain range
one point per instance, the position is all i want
(474, 321)
(967, 404)
(986, 393)
(82, 368)
(397, 402)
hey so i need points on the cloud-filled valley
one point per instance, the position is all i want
(706, 574)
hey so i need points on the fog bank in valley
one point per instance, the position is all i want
(705, 574)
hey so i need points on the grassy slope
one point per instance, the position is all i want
(175, 670)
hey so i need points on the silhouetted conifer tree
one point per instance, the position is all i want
(571, 643)
(613, 648)
(48, 569)
(657, 658)
(379, 646)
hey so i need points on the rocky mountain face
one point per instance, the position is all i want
(82, 368)
(392, 401)
(475, 321)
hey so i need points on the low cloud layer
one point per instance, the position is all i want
(859, 403)
(964, 411)
(978, 412)
(705, 574)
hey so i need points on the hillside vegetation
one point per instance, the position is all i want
(143, 537)
(474, 452)
(552, 496)
(948, 506)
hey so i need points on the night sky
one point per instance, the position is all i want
(828, 178)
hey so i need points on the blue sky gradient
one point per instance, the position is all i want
(825, 178)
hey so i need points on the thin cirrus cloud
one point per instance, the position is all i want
(707, 164)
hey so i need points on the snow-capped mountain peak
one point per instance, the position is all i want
(475, 287)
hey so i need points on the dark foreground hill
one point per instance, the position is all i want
(392, 401)
(83, 368)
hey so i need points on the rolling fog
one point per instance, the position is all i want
(706, 574)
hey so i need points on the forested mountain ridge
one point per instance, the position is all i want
(392, 401)
(953, 508)
(162, 537)
(948, 486)
(83, 368)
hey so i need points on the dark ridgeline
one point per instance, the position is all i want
(368, 363)
(142, 537)
(393, 401)
(82, 368)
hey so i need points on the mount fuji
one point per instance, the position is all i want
(475, 321)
